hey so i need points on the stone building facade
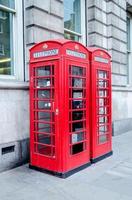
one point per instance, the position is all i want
(100, 23)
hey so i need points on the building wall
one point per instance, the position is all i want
(107, 29)
(14, 123)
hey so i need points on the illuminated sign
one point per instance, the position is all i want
(52, 52)
(75, 54)
(100, 59)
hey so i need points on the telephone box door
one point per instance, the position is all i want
(77, 110)
(44, 118)
(101, 106)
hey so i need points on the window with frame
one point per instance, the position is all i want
(6, 37)
(74, 20)
(1, 49)
(11, 40)
(1, 27)
(129, 49)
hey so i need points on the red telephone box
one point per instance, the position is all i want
(59, 107)
(101, 125)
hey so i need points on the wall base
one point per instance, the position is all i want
(121, 126)
(14, 154)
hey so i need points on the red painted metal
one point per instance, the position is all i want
(101, 125)
(59, 105)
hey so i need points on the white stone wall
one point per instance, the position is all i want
(14, 115)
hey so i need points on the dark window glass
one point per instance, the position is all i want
(6, 42)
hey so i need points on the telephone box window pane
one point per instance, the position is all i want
(6, 43)
(45, 150)
(77, 148)
(78, 82)
(103, 129)
(103, 138)
(102, 84)
(77, 71)
(46, 116)
(103, 120)
(77, 137)
(41, 127)
(102, 74)
(78, 126)
(44, 94)
(102, 111)
(43, 83)
(44, 71)
(44, 139)
(43, 105)
(78, 104)
(77, 115)
(8, 3)
(103, 93)
(101, 102)
(77, 94)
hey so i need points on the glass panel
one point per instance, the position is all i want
(43, 94)
(41, 127)
(128, 34)
(101, 102)
(77, 137)
(103, 93)
(45, 150)
(77, 115)
(102, 111)
(43, 71)
(102, 74)
(78, 82)
(77, 148)
(43, 105)
(103, 119)
(77, 94)
(78, 126)
(77, 71)
(6, 43)
(103, 138)
(102, 129)
(78, 104)
(102, 84)
(44, 139)
(70, 36)
(46, 116)
(8, 3)
(72, 15)
(43, 83)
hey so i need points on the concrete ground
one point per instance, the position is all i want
(109, 179)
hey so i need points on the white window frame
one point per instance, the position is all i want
(18, 61)
(82, 35)
(1, 27)
(2, 52)
(129, 56)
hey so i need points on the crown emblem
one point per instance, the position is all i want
(45, 46)
(76, 46)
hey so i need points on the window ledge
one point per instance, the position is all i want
(14, 85)
(122, 89)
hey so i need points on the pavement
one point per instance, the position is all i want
(109, 179)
